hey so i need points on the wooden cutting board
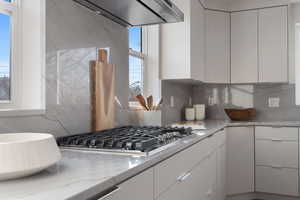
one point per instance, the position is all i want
(102, 80)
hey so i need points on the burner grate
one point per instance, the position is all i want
(143, 139)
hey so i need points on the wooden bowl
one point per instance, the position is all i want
(241, 114)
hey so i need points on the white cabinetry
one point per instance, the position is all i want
(201, 174)
(244, 51)
(259, 45)
(136, 188)
(199, 183)
(221, 167)
(182, 44)
(240, 160)
(277, 160)
(217, 48)
(273, 26)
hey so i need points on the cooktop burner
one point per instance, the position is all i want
(129, 139)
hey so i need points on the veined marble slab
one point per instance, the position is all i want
(80, 175)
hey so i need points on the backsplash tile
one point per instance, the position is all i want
(73, 35)
(181, 93)
(245, 96)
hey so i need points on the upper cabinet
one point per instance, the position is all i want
(273, 48)
(217, 51)
(259, 46)
(244, 51)
(182, 44)
(249, 46)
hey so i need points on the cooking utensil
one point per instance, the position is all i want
(157, 107)
(150, 102)
(142, 101)
(102, 77)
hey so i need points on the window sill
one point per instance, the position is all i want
(21, 113)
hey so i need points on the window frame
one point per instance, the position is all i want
(141, 55)
(12, 9)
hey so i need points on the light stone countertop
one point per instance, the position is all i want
(81, 175)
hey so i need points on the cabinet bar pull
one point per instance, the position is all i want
(184, 177)
(276, 140)
(115, 190)
(276, 167)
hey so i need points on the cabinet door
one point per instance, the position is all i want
(240, 160)
(199, 183)
(273, 39)
(221, 171)
(181, 163)
(275, 180)
(217, 67)
(267, 152)
(197, 26)
(175, 46)
(136, 188)
(244, 58)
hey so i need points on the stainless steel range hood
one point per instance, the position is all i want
(135, 12)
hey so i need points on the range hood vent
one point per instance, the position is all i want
(135, 12)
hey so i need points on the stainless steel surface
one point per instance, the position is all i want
(135, 12)
(133, 152)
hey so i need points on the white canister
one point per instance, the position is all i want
(199, 111)
(190, 114)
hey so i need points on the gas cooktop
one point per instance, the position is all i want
(145, 140)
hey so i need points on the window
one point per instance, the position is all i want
(22, 56)
(297, 62)
(8, 11)
(136, 63)
(5, 51)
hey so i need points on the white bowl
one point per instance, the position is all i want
(24, 154)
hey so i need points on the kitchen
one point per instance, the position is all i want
(212, 54)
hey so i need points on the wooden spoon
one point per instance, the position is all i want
(157, 107)
(142, 101)
(150, 102)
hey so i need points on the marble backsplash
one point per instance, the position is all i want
(217, 97)
(182, 94)
(73, 35)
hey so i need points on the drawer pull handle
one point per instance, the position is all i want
(184, 177)
(110, 193)
(276, 140)
(276, 167)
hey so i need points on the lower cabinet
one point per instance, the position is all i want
(205, 180)
(221, 167)
(240, 160)
(136, 188)
(199, 183)
(277, 156)
(277, 180)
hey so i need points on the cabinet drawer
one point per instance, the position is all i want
(276, 133)
(168, 172)
(282, 181)
(136, 188)
(277, 153)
